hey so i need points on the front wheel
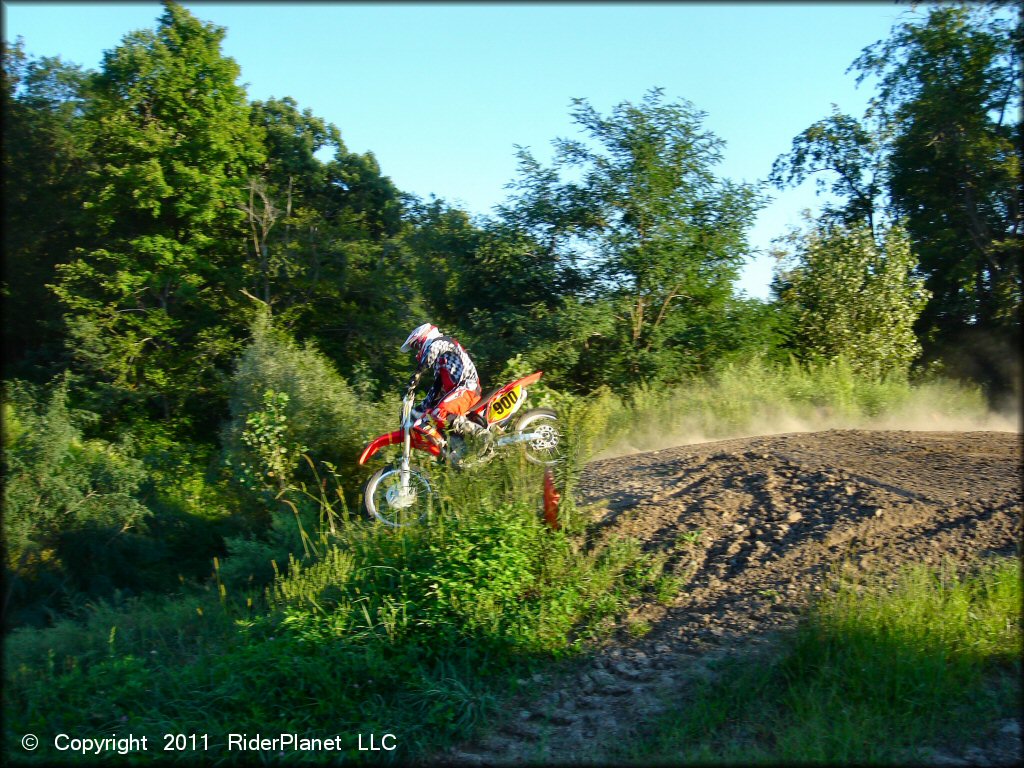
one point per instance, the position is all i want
(386, 500)
(546, 444)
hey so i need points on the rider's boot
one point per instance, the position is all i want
(469, 428)
(429, 425)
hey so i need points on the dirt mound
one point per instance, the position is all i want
(751, 527)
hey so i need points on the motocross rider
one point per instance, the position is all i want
(456, 387)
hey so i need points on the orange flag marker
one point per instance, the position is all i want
(551, 499)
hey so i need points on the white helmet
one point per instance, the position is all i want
(419, 338)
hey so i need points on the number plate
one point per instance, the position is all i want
(506, 405)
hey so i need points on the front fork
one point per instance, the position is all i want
(403, 467)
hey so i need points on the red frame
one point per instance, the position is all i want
(421, 441)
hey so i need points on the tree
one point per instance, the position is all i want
(284, 222)
(153, 294)
(44, 161)
(495, 287)
(326, 252)
(442, 239)
(663, 238)
(854, 298)
(853, 153)
(949, 90)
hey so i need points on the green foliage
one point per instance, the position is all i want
(441, 239)
(665, 234)
(87, 518)
(288, 399)
(950, 86)
(326, 251)
(941, 142)
(176, 629)
(154, 199)
(265, 436)
(757, 396)
(293, 419)
(854, 298)
(853, 152)
(69, 503)
(417, 631)
(153, 290)
(181, 475)
(44, 159)
(317, 588)
(482, 570)
(961, 617)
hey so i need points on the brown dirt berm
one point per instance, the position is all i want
(753, 526)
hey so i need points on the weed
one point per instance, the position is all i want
(667, 588)
(638, 628)
(689, 538)
(756, 397)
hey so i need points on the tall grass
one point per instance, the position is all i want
(416, 632)
(874, 673)
(756, 397)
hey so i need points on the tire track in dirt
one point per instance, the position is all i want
(753, 527)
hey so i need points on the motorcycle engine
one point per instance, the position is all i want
(458, 449)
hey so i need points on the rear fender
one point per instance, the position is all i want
(506, 401)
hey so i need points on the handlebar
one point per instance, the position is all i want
(410, 395)
(413, 382)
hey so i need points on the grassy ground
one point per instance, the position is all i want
(416, 632)
(875, 672)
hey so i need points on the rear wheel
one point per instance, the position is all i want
(546, 443)
(386, 500)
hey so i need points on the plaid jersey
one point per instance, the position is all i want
(452, 369)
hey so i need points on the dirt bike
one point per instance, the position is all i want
(401, 493)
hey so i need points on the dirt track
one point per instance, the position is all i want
(753, 526)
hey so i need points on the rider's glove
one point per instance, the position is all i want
(417, 414)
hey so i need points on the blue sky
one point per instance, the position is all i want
(442, 92)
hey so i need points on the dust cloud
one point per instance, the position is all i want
(914, 416)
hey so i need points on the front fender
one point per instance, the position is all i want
(418, 442)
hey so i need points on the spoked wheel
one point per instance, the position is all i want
(546, 445)
(386, 500)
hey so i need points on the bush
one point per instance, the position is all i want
(486, 568)
(70, 504)
(288, 399)
(290, 413)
